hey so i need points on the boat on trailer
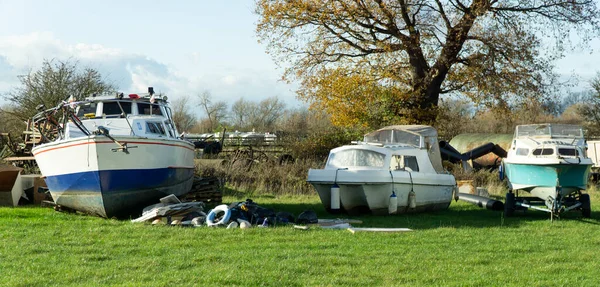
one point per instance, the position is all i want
(549, 162)
(113, 154)
(400, 161)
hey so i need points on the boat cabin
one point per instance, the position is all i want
(411, 148)
(144, 116)
(548, 140)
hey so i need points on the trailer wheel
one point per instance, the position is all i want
(509, 204)
(586, 206)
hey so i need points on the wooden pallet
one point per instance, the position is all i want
(207, 190)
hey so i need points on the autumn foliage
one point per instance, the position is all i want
(373, 62)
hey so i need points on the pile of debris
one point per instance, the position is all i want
(172, 211)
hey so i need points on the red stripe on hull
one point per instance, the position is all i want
(103, 142)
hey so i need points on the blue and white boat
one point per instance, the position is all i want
(548, 161)
(113, 154)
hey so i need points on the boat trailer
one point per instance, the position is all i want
(556, 205)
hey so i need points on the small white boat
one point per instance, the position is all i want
(548, 161)
(113, 154)
(400, 160)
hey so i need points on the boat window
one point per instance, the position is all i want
(161, 128)
(568, 152)
(155, 128)
(356, 157)
(87, 109)
(522, 151)
(543, 151)
(396, 163)
(144, 109)
(400, 162)
(112, 108)
(411, 162)
(169, 129)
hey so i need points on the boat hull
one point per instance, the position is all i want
(368, 191)
(88, 175)
(542, 180)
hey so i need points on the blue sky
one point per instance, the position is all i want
(179, 47)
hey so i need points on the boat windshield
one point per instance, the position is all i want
(356, 158)
(394, 136)
(418, 136)
(550, 130)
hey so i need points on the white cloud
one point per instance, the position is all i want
(134, 72)
(229, 80)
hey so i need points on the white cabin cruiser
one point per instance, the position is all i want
(400, 161)
(112, 154)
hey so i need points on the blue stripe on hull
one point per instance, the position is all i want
(113, 192)
(574, 175)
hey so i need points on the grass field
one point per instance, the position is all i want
(462, 246)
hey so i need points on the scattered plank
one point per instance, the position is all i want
(337, 226)
(178, 209)
(328, 222)
(374, 229)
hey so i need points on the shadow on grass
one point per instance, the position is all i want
(456, 216)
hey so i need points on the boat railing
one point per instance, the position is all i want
(367, 143)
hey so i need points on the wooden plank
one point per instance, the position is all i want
(374, 229)
(337, 226)
(338, 221)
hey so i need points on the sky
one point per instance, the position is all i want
(181, 48)
(178, 47)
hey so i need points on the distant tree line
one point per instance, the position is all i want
(310, 133)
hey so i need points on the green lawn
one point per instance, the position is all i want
(463, 246)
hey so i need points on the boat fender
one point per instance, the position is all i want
(199, 220)
(335, 197)
(393, 204)
(412, 199)
(210, 218)
(244, 223)
(455, 191)
(232, 225)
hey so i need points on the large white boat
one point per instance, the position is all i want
(113, 154)
(548, 161)
(400, 160)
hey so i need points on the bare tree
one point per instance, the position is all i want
(215, 112)
(182, 115)
(266, 113)
(240, 113)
